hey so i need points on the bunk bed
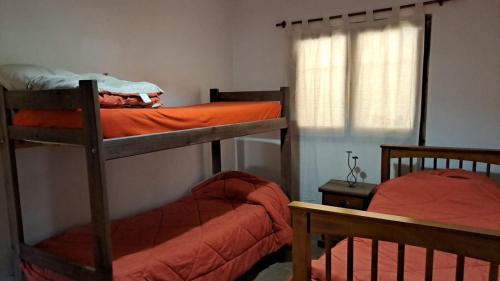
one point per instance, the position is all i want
(438, 223)
(85, 128)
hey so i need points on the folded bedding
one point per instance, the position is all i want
(448, 196)
(129, 122)
(113, 92)
(219, 232)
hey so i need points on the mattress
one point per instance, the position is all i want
(138, 121)
(448, 196)
(219, 232)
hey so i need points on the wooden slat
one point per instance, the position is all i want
(471, 242)
(493, 275)
(98, 195)
(435, 163)
(429, 264)
(59, 136)
(328, 257)
(301, 250)
(401, 262)
(411, 164)
(459, 273)
(374, 267)
(44, 100)
(11, 184)
(491, 156)
(129, 146)
(350, 258)
(399, 166)
(248, 96)
(216, 157)
(56, 264)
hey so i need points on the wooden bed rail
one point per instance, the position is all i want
(311, 219)
(488, 157)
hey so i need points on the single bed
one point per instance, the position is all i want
(126, 122)
(434, 224)
(228, 223)
(448, 196)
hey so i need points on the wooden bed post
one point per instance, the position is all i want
(385, 164)
(216, 152)
(301, 250)
(287, 170)
(97, 180)
(8, 155)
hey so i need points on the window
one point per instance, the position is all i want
(359, 79)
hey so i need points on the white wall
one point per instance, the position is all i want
(184, 46)
(464, 93)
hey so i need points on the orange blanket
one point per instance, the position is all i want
(230, 222)
(448, 196)
(139, 121)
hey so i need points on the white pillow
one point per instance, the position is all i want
(33, 77)
(18, 76)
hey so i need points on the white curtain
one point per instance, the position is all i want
(357, 86)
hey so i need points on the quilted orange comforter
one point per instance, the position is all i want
(449, 196)
(230, 222)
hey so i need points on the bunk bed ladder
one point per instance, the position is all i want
(86, 99)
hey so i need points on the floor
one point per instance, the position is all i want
(277, 267)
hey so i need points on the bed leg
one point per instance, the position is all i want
(8, 156)
(97, 181)
(301, 246)
(289, 161)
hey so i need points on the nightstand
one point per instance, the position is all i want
(338, 193)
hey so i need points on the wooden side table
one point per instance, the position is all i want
(338, 194)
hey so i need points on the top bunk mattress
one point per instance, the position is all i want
(130, 122)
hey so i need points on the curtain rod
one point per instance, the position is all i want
(284, 23)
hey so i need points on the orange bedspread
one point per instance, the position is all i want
(139, 121)
(230, 222)
(448, 196)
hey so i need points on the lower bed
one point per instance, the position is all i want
(219, 232)
(448, 196)
(139, 121)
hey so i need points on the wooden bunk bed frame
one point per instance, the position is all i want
(98, 150)
(311, 219)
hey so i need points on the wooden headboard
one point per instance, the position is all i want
(424, 154)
